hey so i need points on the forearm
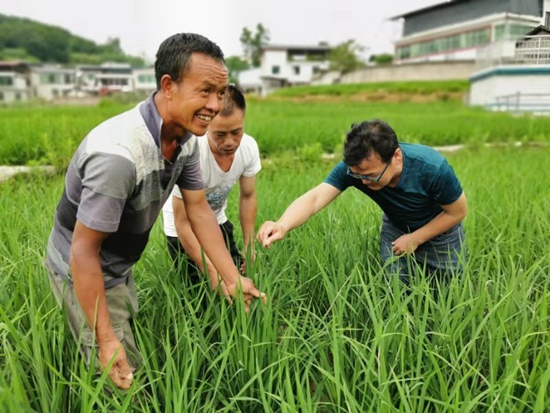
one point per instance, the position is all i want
(248, 209)
(208, 233)
(441, 223)
(192, 247)
(89, 286)
(298, 212)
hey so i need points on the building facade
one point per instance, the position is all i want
(514, 75)
(455, 30)
(284, 66)
(22, 81)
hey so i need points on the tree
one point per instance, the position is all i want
(253, 42)
(235, 65)
(381, 59)
(345, 57)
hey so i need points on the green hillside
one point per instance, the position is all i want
(25, 39)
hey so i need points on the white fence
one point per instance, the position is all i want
(530, 50)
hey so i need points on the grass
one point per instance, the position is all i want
(335, 337)
(49, 136)
(348, 90)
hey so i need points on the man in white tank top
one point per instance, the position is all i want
(227, 155)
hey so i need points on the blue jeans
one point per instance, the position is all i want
(443, 255)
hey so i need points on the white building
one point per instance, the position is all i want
(144, 80)
(514, 75)
(52, 82)
(14, 82)
(106, 78)
(456, 29)
(283, 66)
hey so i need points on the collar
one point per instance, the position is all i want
(153, 120)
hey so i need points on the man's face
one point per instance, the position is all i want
(196, 99)
(376, 174)
(225, 133)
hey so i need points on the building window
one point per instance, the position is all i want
(6, 81)
(296, 70)
(18, 96)
(1, 96)
(47, 78)
(446, 44)
(146, 79)
(68, 79)
(510, 31)
(547, 19)
(275, 70)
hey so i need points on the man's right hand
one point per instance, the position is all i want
(270, 232)
(120, 372)
(249, 292)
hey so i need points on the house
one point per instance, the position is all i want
(52, 82)
(514, 75)
(456, 29)
(144, 80)
(285, 65)
(14, 81)
(105, 78)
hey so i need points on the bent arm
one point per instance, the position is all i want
(451, 215)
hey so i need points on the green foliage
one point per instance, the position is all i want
(235, 65)
(52, 44)
(253, 42)
(17, 54)
(277, 125)
(348, 90)
(345, 58)
(335, 335)
(381, 59)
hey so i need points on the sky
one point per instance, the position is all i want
(142, 25)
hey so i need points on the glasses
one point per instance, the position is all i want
(367, 177)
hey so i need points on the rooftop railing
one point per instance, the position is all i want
(530, 50)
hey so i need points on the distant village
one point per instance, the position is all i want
(502, 47)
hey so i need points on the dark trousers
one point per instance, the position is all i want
(185, 265)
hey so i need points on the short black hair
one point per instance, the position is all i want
(366, 137)
(174, 54)
(232, 99)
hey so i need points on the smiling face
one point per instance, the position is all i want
(226, 132)
(196, 99)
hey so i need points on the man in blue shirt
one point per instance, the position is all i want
(418, 191)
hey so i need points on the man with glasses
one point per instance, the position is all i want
(418, 191)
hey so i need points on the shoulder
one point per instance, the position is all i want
(249, 142)
(338, 176)
(125, 134)
(249, 147)
(422, 155)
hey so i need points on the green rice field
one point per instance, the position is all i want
(335, 336)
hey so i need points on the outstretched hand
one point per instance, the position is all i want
(270, 232)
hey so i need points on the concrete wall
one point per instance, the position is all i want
(491, 88)
(420, 71)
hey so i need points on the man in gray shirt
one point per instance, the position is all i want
(115, 187)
